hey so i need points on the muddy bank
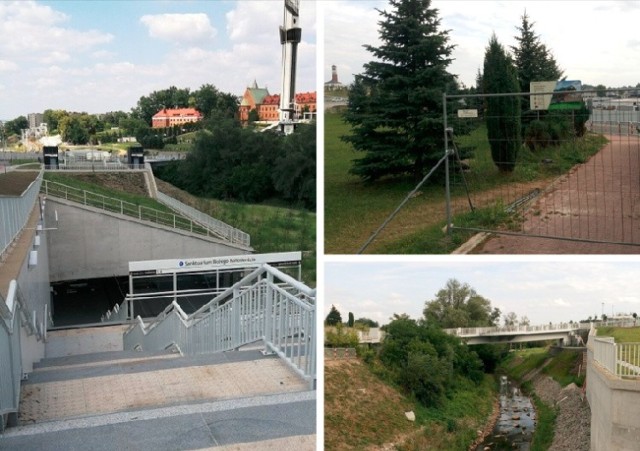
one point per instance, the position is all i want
(573, 422)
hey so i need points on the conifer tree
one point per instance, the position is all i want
(395, 106)
(533, 60)
(502, 112)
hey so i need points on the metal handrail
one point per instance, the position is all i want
(478, 331)
(255, 308)
(126, 208)
(619, 359)
(15, 212)
(224, 230)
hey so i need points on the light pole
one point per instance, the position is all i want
(602, 316)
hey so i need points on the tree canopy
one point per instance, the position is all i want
(458, 305)
(333, 317)
(395, 106)
(533, 60)
(502, 113)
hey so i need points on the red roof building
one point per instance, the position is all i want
(268, 106)
(168, 117)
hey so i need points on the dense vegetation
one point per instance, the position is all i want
(235, 163)
(395, 106)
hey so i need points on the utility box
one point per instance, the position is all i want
(135, 156)
(50, 154)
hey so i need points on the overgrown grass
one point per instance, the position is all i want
(96, 188)
(363, 411)
(621, 334)
(518, 364)
(545, 426)
(561, 367)
(354, 210)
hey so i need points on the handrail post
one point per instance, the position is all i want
(268, 317)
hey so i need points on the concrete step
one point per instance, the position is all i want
(100, 386)
(284, 421)
(98, 358)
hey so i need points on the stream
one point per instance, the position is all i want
(515, 425)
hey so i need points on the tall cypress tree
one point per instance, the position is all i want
(502, 112)
(533, 60)
(395, 106)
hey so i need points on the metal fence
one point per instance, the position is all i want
(122, 207)
(15, 212)
(565, 182)
(221, 229)
(620, 359)
(265, 305)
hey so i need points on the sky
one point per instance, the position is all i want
(102, 56)
(544, 289)
(593, 41)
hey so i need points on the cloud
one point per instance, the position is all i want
(561, 302)
(8, 66)
(179, 28)
(34, 32)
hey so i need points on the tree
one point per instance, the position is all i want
(395, 106)
(350, 321)
(601, 90)
(524, 321)
(502, 113)
(533, 61)
(458, 305)
(511, 319)
(366, 322)
(15, 126)
(334, 317)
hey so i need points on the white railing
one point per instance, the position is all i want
(620, 359)
(220, 228)
(511, 330)
(15, 313)
(124, 311)
(255, 308)
(15, 212)
(95, 166)
(122, 207)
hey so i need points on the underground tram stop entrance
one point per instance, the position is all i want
(154, 284)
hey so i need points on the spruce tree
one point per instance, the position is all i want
(333, 318)
(395, 106)
(503, 112)
(533, 60)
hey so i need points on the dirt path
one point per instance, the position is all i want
(598, 200)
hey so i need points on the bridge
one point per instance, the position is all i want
(517, 334)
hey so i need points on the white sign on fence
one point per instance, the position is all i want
(541, 101)
(467, 113)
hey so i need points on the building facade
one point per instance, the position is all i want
(168, 117)
(267, 106)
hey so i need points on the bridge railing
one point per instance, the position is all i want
(15, 212)
(258, 307)
(620, 359)
(480, 331)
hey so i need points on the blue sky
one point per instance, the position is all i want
(103, 56)
(544, 289)
(593, 41)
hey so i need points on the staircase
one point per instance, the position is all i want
(111, 398)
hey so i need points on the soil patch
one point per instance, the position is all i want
(15, 183)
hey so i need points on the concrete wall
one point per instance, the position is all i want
(90, 243)
(615, 409)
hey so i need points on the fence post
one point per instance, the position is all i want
(446, 165)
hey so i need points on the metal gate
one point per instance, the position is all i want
(576, 176)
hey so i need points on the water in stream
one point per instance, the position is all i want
(516, 422)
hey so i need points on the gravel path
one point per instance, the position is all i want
(573, 423)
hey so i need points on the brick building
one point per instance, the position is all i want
(267, 106)
(168, 117)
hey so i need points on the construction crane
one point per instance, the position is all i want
(290, 36)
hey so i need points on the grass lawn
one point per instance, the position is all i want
(354, 210)
(621, 334)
